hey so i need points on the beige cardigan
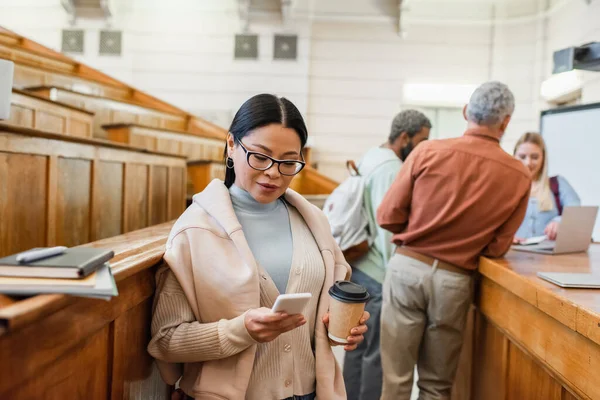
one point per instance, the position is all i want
(220, 280)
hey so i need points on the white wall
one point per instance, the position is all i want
(178, 50)
(352, 62)
(357, 73)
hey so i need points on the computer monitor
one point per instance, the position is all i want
(6, 83)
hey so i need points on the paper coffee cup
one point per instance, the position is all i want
(347, 305)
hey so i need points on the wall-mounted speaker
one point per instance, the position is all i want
(72, 41)
(110, 43)
(285, 47)
(246, 47)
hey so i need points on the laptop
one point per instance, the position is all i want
(571, 279)
(574, 235)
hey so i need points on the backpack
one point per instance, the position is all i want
(348, 217)
(556, 192)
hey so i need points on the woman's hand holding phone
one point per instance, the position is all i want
(264, 325)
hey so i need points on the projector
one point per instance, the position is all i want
(585, 57)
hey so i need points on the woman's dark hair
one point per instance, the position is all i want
(262, 110)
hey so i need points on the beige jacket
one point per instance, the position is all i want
(209, 256)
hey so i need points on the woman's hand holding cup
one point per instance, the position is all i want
(346, 318)
(264, 325)
(356, 334)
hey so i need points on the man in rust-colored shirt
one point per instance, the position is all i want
(453, 201)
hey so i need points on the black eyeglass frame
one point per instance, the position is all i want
(273, 161)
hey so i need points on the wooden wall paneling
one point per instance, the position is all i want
(216, 152)
(527, 380)
(168, 145)
(149, 187)
(31, 111)
(49, 122)
(102, 115)
(73, 205)
(21, 116)
(196, 151)
(490, 361)
(120, 135)
(143, 141)
(158, 195)
(80, 128)
(107, 200)
(133, 371)
(174, 123)
(183, 190)
(148, 120)
(79, 374)
(187, 149)
(135, 197)
(26, 76)
(23, 199)
(52, 200)
(177, 191)
(121, 117)
(198, 177)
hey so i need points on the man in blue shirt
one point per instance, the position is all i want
(379, 167)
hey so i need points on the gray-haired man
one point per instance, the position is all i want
(379, 166)
(452, 201)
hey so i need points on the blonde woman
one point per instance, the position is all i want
(548, 196)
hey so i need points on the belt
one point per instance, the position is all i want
(431, 261)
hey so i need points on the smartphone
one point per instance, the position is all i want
(292, 303)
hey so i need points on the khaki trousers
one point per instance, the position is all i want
(422, 321)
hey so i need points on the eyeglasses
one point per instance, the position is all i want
(262, 162)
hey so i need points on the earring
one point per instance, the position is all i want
(229, 162)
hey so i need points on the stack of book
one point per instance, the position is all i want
(78, 271)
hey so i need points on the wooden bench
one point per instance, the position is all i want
(63, 347)
(61, 190)
(191, 146)
(310, 181)
(201, 173)
(108, 111)
(31, 111)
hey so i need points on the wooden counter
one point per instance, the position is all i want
(532, 339)
(63, 347)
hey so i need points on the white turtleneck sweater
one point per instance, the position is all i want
(268, 233)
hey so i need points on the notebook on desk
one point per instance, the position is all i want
(574, 235)
(76, 262)
(572, 279)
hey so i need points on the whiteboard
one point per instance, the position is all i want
(572, 136)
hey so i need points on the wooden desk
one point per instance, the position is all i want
(63, 347)
(532, 339)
